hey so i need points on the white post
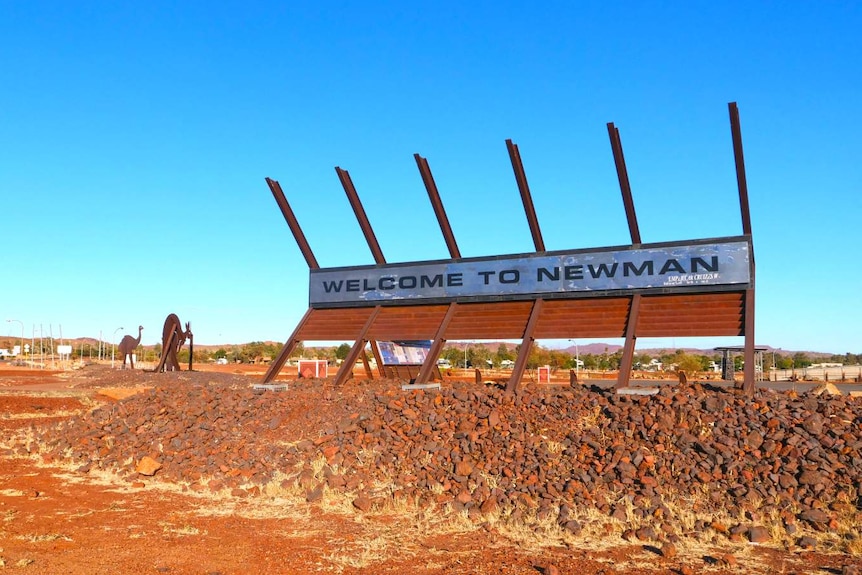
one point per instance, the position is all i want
(113, 337)
(21, 350)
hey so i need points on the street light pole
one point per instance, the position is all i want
(577, 357)
(113, 337)
(21, 350)
(466, 346)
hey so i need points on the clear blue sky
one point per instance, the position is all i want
(135, 138)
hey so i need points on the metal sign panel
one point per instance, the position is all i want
(724, 262)
(404, 352)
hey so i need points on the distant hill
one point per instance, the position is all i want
(609, 348)
(599, 348)
(584, 349)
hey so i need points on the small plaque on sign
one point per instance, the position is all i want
(637, 391)
(270, 387)
(411, 386)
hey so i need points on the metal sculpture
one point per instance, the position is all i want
(387, 302)
(173, 338)
(127, 347)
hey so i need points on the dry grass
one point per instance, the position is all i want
(47, 537)
(553, 447)
(183, 531)
(11, 493)
(594, 419)
(42, 415)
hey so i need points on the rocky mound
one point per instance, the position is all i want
(674, 464)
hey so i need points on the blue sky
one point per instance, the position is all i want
(135, 138)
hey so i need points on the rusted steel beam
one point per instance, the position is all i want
(366, 365)
(364, 224)
(748, 385)
(526, 198)
(292, 222)
(526, 346)
(748, 372)
(361, 217)
(625, 187)
(346, 369)
(629, 347)
(634, 231)
(378, 358)
(288, 347)
(436, 346)
(437, 204)
(191, 344)
(742, 184)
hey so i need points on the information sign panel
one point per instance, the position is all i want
(718, 263)
(404, 352)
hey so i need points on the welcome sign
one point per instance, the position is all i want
(723, 262)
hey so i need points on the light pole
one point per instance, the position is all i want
(113, 337)
(577, 357)
(21, 350)
(41, 345)
(466, 346)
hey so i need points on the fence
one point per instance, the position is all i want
(842, 373)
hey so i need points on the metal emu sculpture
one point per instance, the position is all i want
(173, 338)
(127, 347)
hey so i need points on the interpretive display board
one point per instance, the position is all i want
(404, 352)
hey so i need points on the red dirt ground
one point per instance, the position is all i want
(54, 520)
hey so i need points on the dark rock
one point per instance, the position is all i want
(754, 439)
(813, 424)
(315, 494)
(362, 503)
(811, 477)
(814, 516)
(759, 535)
(668, 550)
(646, 534)
(573, 527)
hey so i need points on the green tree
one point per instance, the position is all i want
(643, 359)
(503, 354)
(453, 355)
(591, 361)
(298, 351)
(800, 360)
(342, 351)
(479, 356)
(689, 363)
(538, 356)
